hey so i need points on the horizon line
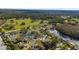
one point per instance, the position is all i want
(42, 8)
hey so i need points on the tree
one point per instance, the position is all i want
(23, 23)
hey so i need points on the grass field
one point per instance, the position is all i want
(14, 24)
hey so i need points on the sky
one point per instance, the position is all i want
(40, 4)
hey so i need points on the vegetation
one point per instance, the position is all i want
(69, 30)
(33, 35)
(22, 30)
